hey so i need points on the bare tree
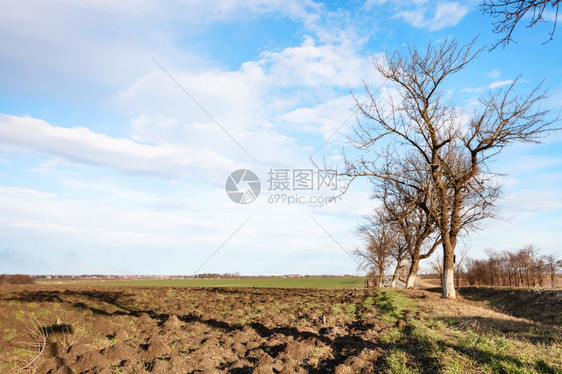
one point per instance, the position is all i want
(524, 268)
(398, 253)
(380, 241)
(494, 275)
(471, 267)
(416, 139)
(412, 223)
(510, 12)
(527, 256)
(436, 264)
(552, 265)
(460, 258)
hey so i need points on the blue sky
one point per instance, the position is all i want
(108, 166)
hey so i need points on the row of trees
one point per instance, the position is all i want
(16, 279)
(524, 268)
(427, 158)
(396, 234)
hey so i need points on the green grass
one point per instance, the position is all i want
(420, 341)
(324, 283)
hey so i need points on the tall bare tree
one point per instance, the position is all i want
(510, 12)
(415, 129)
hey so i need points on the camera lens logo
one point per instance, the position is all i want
(243, 186)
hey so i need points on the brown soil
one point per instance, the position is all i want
(168, 330)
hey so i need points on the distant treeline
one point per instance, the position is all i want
(524, 268)
(238, 276)
(16, 279)
(196, 276)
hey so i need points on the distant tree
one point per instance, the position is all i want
(398, 253)
(436, 264)
(539, 270)
(460, 258)
(16, 279)
(510, 12)
(413, 224)
(527, 262)
(493, 273)
(380, 242)
(416, 128)
(552, 265)
(396, 211)
(475, 272)
(524, 268)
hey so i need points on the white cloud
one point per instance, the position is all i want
(82, 145)
(53, 40)
(63, 48)
(165, 123)
(315, 65)
(497, 84)
(260, 104)
(111, 223)
(530, 216)
(434, 17)
(532, 202)
(201, 11)
(494, 74)
(325, 119)
(551, 15)
(472, 89)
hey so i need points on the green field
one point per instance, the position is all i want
(326, 283)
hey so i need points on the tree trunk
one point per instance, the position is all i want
(413, 273)
(449, 284)
(381, 279)
(395, 275)
(448, 270)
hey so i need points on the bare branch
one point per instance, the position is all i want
(510, 12)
